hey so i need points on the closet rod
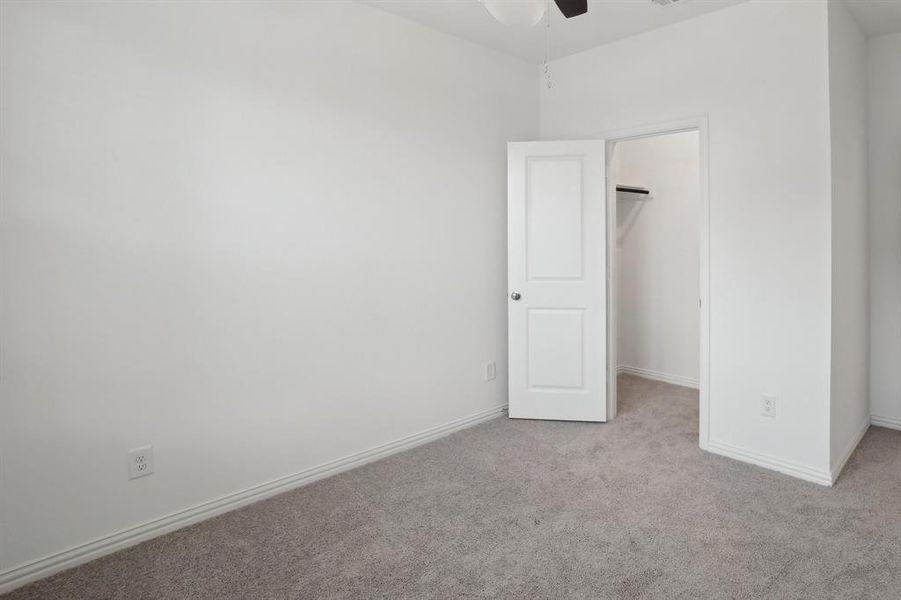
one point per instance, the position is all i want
(633, 190)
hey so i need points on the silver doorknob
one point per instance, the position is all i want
(515, 296)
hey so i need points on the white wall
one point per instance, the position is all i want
(658, 257)
(257, 236)
(759, 72)
(884, 104)
(850, 409)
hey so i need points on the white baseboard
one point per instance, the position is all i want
(769, 462)
(890, 422)
(44, 567)
(658, 376)
(850, 448)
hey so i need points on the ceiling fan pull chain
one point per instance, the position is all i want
(547, 44)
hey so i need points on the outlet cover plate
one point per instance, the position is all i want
(490, 371)
(140, 462)
(768, 406)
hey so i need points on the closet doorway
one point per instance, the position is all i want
(657, 261)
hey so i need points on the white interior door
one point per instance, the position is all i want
(556, 273)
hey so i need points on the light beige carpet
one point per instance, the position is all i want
(532, 509)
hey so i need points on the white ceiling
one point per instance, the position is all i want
(877, 17)
(606, 21)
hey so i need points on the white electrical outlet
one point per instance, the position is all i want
(768, 406)
(490, 371)
(140, 462)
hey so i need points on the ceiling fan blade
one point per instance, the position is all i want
(572, 8)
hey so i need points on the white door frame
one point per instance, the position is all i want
(698, 124)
